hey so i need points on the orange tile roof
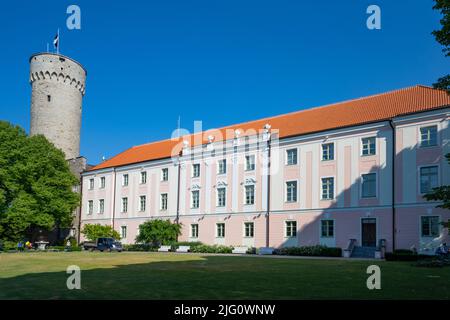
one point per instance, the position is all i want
(343, 114)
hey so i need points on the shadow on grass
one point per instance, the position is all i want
(216, 277)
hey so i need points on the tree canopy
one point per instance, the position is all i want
(36, 184)
(443, 37)
(158, 232)
(94, 231)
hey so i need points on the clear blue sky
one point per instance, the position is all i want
(219, 61)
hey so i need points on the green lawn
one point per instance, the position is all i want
(190, 276)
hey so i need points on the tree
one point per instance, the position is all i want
(443, 37)
(158, 232)
(441, 193)
(36, 185)
(94, 231)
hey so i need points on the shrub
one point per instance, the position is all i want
(158, 232)
(64, 248)
(203, 248)
(139, 247)
(8, 245)
(404, 255)
(318, 250)
(94, 231)
(175, 245)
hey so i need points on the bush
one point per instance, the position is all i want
(94, 231)
(404, 255)
(139, 247)
(8, 245)
(64, 248)
(203, 248)
(175, 245)
(158, 232)
(318, 251)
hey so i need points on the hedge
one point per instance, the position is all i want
(404, 255)
(139, 247)
(317, 251)
(203, 248)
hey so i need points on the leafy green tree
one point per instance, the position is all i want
(443, 37)
(94, 231)
(441, 193)
(36, 185)
(158, 232)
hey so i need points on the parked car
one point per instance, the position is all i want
(103, 244)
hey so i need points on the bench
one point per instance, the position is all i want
(240, 250)
(164, 249)
(183, 249)
(266, 250)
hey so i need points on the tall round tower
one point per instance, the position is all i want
(57, 90)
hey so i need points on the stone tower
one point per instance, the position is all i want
(58, 86)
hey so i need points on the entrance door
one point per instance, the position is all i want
(369, 232)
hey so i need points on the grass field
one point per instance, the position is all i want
(190, 276)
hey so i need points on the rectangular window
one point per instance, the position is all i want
(195, 199)
(428, 178)
(101, 206)
(222, 166)
(196, 170)
(220, 230)
(125, 180)
(163, 201)
(430, 226)
(102, 182)
(428, 136)
(249, 229)
(291, 157)
(142, 203)
(291, 229)
(143, 177)
(164, 174)
(221, 197)
(90, 206)
(369, 185)
(327, 188)
(250, 194)
(91, 184)
(124, 204)
(327, 229)
(328, 151)
(194, 230)
(123, 232)
(291, 191)
(368, 146)
(250, 163)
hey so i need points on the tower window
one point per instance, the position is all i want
(49, 97)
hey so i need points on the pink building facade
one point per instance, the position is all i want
(363, 182)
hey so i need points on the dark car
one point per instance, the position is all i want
(104, 244)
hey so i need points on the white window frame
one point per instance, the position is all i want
(252, 229)
(419, 168)
(249, 168)
(90, 207)
(192, 199)
(161, 206)
(195, 236)
(287, 157)
(165, 174)
(361, 186)
(334, 229)
(321, 188)
(427, 125)
(362, 146)
(122, 228)
(218, 199)
(101, 206)
(286, 222)
(125, 180)
(439, 226)
(195, 165)
(322, 149)
(102, 182)
(224, 161)
(124, 207)
(143, 177)
(245, 195)
(142, 208)
(286, 192)
(91, 184)
(217, 230)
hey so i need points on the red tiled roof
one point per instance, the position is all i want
(343, 114)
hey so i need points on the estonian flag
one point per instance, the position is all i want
(56, 41)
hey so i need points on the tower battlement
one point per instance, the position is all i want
(58, 85)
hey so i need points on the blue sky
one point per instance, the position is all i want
(218, 61)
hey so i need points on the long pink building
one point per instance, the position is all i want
(350, 172)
